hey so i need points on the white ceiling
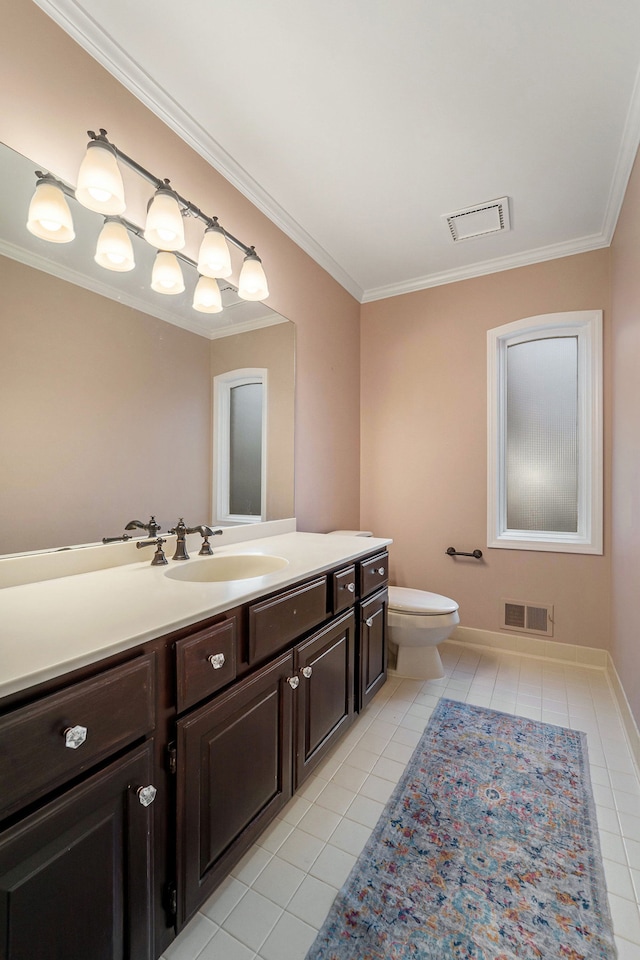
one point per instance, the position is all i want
(358, 125)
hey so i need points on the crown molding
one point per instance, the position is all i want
(624, 162)
(102, 47)
(553, 252)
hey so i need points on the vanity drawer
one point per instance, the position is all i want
(110, 711)
(373, 573)
(275, 622)
(205, 662)
(343, 588)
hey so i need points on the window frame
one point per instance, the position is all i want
(222, 386)
(586, 325)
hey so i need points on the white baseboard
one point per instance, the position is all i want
(532, 646)
(562, 653)
(630, 725)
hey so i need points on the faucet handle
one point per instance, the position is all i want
(206, 532)
(159, 559)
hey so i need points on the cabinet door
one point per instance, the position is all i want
(325, 696)
(372, 647)
(234, 775)
(75, 876)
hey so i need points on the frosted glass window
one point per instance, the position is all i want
(544, 433)
(541, 455)
(245, 449)
(240, 405)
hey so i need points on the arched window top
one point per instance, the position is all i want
(240, 445)
(545, 433)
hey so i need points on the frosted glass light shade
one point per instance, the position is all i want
(252, 283)
(100, 185)
(166, 276)
(206, 296)
(49, 215)
(214, 259)
(164, 228)
(114, 250)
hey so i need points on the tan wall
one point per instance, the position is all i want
(424, 438)
(625, 287)
(52, 92)
(105, 415)
(274, 349)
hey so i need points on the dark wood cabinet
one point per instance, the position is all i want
(324, 698)
(49, 742)
(275, 622)
(371, 660)
(76, 876)
(225, 718)
(205, 662)
(234, 775)
(372, 649)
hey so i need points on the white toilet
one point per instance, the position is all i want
(418, 622)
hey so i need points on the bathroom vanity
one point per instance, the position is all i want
(135, 774)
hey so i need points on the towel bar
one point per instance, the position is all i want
(452, 552)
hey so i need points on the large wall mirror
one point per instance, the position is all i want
(106, 388)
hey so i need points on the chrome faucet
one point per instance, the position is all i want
(152, 527)
(181, 531)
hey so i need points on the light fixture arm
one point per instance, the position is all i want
(187, 207)
(131, 227)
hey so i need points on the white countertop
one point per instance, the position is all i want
(49, 628)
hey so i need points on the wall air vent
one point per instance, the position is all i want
(528, 617)
(481, 220)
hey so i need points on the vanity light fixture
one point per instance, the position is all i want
(166, 276)
(252, 283)
(100, 185)
(49, 215)
(100, 188)
(114, 250)
(214, 259)
(164, 227)
(207, 297)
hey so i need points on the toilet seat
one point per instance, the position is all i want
(419, 603)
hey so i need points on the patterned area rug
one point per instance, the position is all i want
(487, 850)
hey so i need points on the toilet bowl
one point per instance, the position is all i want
(419, 621)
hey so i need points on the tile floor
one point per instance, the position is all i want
(275, 900)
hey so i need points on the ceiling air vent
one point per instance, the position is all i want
(481, 220)
(528, 617)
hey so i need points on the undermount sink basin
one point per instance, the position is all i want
(218, 569)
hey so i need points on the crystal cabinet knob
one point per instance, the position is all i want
(146, 795)
(216, 660)
(369, 622)
(294, 682)
(381, 571)
(74, 737)
(351, 587)
(306, 672)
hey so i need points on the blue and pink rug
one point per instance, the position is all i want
(487, 850)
